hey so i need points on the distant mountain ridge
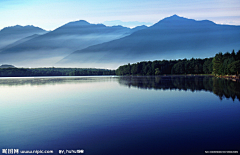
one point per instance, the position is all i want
(53, 46)
(9, 35)
(82, 44)
(171, 38)
(18, 29)
(7, 66)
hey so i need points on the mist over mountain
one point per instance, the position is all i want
(171, 38)
(47, 49)
(20, 41)
(9, 35)
(81, 44)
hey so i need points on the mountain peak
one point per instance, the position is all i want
(82, 22)
(176, 21)
(175, 16)
(78, 23)
(19, 29)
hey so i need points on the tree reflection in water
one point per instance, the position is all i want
(221, 87)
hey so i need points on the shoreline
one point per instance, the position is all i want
(230, 77)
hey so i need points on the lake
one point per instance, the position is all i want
(120, 115)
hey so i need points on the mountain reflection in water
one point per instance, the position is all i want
(220, 87)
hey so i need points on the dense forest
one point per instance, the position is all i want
(221, 64)
(22, 72)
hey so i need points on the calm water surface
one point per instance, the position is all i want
(120, 115)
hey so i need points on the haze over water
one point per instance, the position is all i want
(120, 115)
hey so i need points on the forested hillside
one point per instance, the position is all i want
(221, 64)
(22, 72)
(225, 64)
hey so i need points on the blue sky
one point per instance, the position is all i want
(50, 14)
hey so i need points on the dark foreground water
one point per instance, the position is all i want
(120, 115)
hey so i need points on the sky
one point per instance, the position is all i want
(51, 14)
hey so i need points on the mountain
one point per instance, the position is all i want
(20, 41)
(7, 66)
(171, 38)
(47, 49)
(139, 28)
(9, 35)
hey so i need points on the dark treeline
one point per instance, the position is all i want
(22, 72)
(226, 64)
(220, 87)
(221, 64)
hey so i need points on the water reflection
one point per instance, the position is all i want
(221, 87)
(50, 80)
(103, 116)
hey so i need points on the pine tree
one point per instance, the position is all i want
(217, 64)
